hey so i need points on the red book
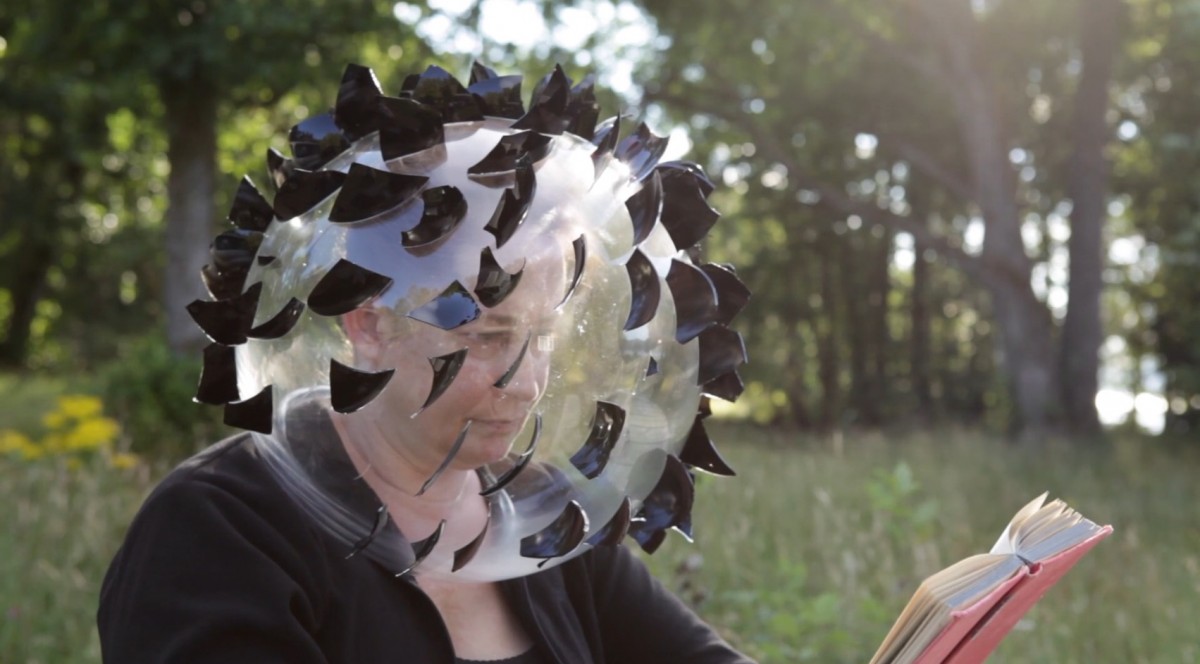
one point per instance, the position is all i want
(960, 614)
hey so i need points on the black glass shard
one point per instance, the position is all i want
(641, 151)
(450, 309)
(463, 107)
(253, 414)
(494, 284)
(218, 377)
(686, 169)
(671, 499)
(408, 85)
(606, 135)
(704, 409)
(652, 367)
(514, 204)
(644, 207)
(582, 108)
(503, 381)
(700, 453)
(481, 72)
(344, 288)
(614, 531)
(605, 139)
(279, 324)
(230, 254)
(686, 214)
(550, 86)
(521, 462)
(279, 167)
(727, 386)
(732, 294)
(499, 96)
(684, 528)
(647, 538)
(454, 449)
(436, 87)
(351, 389)
(444, 208)
(227, 321)
(356, 110)
(560, 537)
(423, 548)
(645, 290)
(547, 112)
(607, 423)
(579, 246)
(407, 126)
(368, 192)
(304, 190)
(721, 351)
(315, 142)
(445, 370)
(509, 150)
(695, 300)
(381, 519)
(250, 211)
(464, 555)
(264, 261)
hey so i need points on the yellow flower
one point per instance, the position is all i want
(79, 406)
(74, 463)
(54, 420)
(124, 461)
(15, 442)
(92, 433)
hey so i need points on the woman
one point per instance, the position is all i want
(470, 349)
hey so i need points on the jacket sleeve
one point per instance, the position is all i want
(204, 577)
(643, 622)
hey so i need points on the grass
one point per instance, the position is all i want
(808, 555)
(815, 548)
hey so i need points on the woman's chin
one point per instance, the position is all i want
(486, 447)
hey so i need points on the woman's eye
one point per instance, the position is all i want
(485, 343)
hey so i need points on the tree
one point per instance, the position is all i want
(199, 60)
(932, 83)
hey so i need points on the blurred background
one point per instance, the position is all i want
(972, 228)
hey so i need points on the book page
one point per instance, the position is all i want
(1006, 543)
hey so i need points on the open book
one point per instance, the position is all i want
(961, 613)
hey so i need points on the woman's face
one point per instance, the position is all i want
(511, 340)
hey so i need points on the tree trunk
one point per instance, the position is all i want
(29, 280)
(191, 117)
(877, 320)
(920, 340)
(1026, 340)
(1089, 171)
(1025, 326)
(828, 357)
(852, 258)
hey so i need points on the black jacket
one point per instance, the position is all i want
(220, 565)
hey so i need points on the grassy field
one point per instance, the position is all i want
(808, 555)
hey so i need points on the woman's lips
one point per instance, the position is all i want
(498, 426)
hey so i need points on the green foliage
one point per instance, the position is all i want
(894, 495)
(149, 390)
(61, 526)
(804, 531)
